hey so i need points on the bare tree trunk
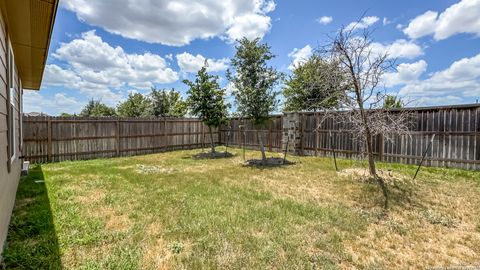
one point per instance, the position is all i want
(262, 147)
(366, 127)
(211, 139)
(369, 140)
(371, 159)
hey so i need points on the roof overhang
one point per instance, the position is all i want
(29, 24)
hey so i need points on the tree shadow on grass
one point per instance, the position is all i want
(213, 155)
(401, 195)
(32, 241)
(210, 155)
(269, 163)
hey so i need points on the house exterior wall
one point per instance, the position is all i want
(9, 177)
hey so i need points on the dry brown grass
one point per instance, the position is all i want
(404, 237)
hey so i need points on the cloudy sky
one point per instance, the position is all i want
(107, 49)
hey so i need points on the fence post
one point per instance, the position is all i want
(301, 135)
(49, 138)
(117, 134)
(381, 143)
(315, 128)
(165, 133)
(219, 136)
(270, 136)
(203, 136)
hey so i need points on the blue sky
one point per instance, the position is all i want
(106, 49)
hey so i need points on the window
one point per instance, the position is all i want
(20, 116)
(12, 95)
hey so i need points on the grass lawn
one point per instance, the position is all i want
(169, 211)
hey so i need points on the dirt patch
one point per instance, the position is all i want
(92, 197)
(74, 255)
(118, 223)
(114, 221)
(150, 169)
(213, 155)
(154, 229)
(156, 255)
(269, 162)
(363, 175)
(159, 254)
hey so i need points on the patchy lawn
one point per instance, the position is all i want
(170, 211)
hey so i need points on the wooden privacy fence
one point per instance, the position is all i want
(49, 139)
(456, 142)
(239, 133)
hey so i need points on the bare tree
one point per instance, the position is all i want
(351, 52)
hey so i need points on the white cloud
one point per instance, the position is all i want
(299, 56)
(399, 49)
(365, 22)
(385, 21)
(461, 79)
(405, 74)
(193, 63)
(462, 17)
(249, 25)
(95, 68)
(176, 22)
(325, 20)
(269, 6)
(422, 25)
(33, 101)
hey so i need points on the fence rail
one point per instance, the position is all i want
(456, 142)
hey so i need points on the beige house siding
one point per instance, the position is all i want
(8, 180)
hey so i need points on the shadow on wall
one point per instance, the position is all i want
(32, 242)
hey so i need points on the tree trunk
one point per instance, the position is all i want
(262, 148)
(371, 159)
(211, 139)
(368, 133)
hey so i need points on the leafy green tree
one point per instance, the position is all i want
(137, 105)
(95, 108)
(167, 103)
(392, 102)
(254, 82)
(206, 100)
(313, 86)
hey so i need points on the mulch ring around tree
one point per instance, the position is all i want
(213, 155)
(269, 162)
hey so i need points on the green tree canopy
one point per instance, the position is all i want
(206, 100)
(392, 102)
(64, 114)
(254, 82)
(314, 85)
(167, 103)
(95, 108)
(137, 105)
